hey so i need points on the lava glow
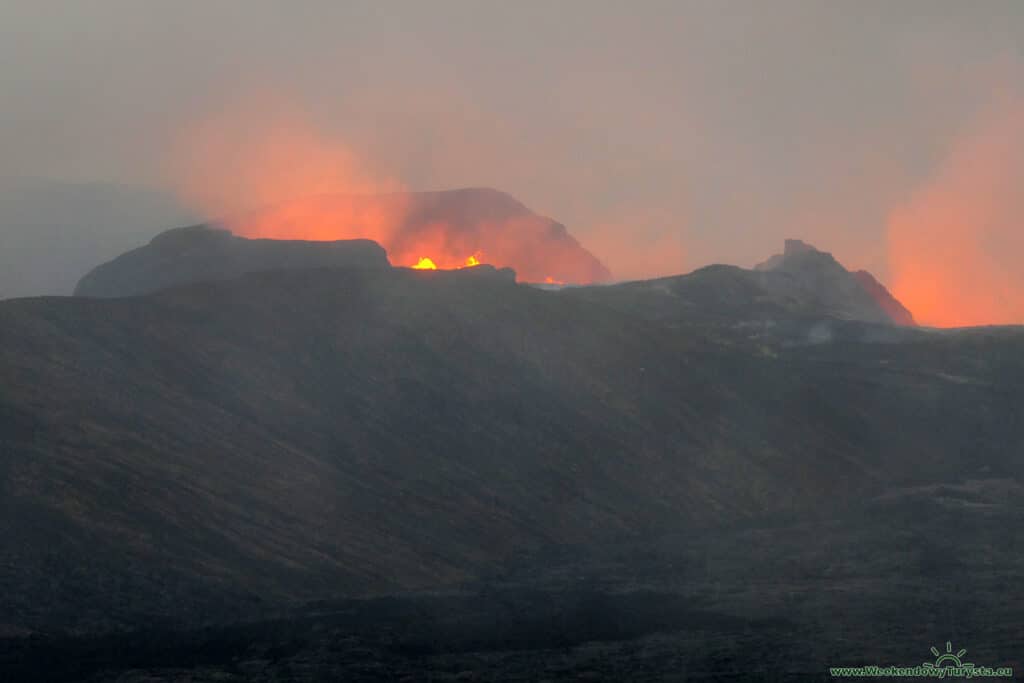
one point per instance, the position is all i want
(425, 264)
(268, 171)
(410, 227)
(955, 245)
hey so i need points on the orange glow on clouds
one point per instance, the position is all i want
(956, 247)
(268, 172)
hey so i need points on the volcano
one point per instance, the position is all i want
(448, 229)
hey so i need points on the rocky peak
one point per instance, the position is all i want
(802, 273)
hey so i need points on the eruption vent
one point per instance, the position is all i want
(259, 150)
(431, 230)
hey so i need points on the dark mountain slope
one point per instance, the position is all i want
(803, 296)
(201, 253)
(802, 276)
(896, 311)
(300, 434)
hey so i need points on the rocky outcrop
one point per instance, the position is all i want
(814, 280)
(890, 304)
(201, 253)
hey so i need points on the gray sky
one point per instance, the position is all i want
(666, 135)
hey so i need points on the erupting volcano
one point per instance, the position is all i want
(427, 263)
(437, 230)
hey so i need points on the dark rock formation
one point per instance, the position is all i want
(815, 280)
(802, 296)
(201, 253)
(890, 304)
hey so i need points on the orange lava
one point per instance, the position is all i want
(427, 263)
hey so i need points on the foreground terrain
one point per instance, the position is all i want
(374, 473)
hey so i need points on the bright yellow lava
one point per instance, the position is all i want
(425, 264)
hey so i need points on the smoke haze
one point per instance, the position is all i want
(664, 136)
(955, 245)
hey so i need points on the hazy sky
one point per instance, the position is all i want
(699, 131)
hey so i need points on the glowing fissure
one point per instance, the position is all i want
(427, 263)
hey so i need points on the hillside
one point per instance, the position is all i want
(800, 297)
(296, 435)
(202, 254)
